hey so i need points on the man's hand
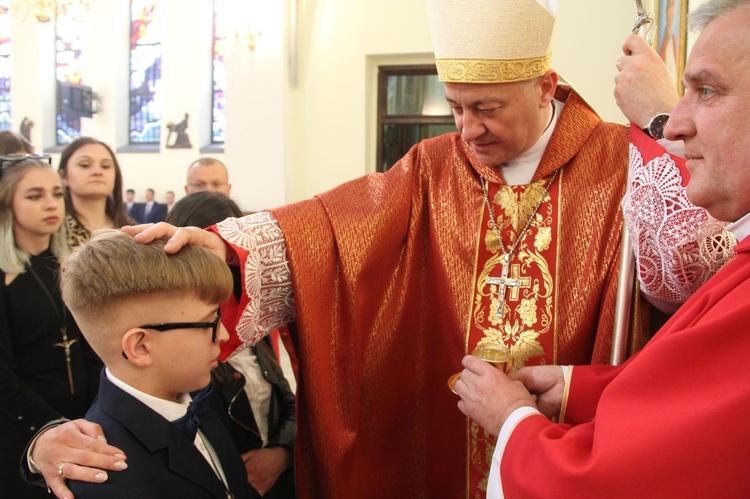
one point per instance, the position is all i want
(644, 87)
(178, 237)
(265, 466)
(546, 383)
(81, 446)
(488, 396)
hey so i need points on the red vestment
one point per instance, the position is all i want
(386, 271)
(670, 422)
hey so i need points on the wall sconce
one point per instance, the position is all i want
(47, 10)
(246, 35)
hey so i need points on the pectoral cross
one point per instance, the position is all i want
(66, 344)
(503, 283)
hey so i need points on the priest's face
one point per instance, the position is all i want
(713, 117)
(501, 121)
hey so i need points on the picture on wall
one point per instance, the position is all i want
(671, 36)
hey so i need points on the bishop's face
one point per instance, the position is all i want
(713, 117)
(503, 120)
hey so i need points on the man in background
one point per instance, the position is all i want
(169, 200)
(129, 201)
(208, 174)
(150, 211)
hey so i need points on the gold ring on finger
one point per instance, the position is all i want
(60, 469)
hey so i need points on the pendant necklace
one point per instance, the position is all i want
(504, 282)
(63, 317)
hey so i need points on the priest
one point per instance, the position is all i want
(678, 245)
(671, 421)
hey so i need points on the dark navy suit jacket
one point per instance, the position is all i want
(158, 213)
(161, 461)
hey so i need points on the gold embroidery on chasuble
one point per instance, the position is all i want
(528, 307)
(526, 328)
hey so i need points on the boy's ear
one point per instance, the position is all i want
(136, 347)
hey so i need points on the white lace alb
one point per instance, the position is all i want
(267, 278)
(678, 246)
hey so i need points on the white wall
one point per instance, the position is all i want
(284, 143)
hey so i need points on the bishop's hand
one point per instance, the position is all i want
(178, 237)
(488, 396)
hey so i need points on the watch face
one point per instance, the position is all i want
(657, 124)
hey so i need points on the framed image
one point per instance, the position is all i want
(671, 36)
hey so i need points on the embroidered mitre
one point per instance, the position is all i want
(495, 41)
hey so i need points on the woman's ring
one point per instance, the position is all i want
(60, 469)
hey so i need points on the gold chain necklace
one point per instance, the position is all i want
(504, 282)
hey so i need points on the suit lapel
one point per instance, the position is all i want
(149, 428)
(231, 461)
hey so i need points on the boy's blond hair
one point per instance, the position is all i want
(113, 268)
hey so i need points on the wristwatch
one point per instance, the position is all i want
(655, 127)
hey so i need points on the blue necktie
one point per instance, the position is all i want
(188, 424)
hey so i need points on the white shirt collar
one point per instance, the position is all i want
(521, 170)
(740, 228)
(167, 409)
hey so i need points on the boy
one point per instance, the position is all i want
(154, 320)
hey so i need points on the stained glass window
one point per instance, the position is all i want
(222, 30)
(68, 49)
(146, 33)
(5, 64)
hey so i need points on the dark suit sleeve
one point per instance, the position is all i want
(137, 212)
(160, 212)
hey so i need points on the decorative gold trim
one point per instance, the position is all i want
(492, 70)
(566, 391)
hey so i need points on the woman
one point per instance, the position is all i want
(93, 189)
(47, 370)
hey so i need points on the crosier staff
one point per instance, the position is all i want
(644, 25)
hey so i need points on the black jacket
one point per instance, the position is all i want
(282, 422)
(162, 462)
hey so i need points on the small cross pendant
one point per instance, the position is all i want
(66, 344)
(503, 282)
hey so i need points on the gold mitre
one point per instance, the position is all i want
(491, 41)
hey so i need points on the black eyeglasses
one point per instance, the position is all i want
(168, 326)
(8, 160)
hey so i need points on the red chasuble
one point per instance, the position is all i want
(389, 274)
(670, 422)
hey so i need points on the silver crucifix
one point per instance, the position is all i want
(66, 344)
(503, 283)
